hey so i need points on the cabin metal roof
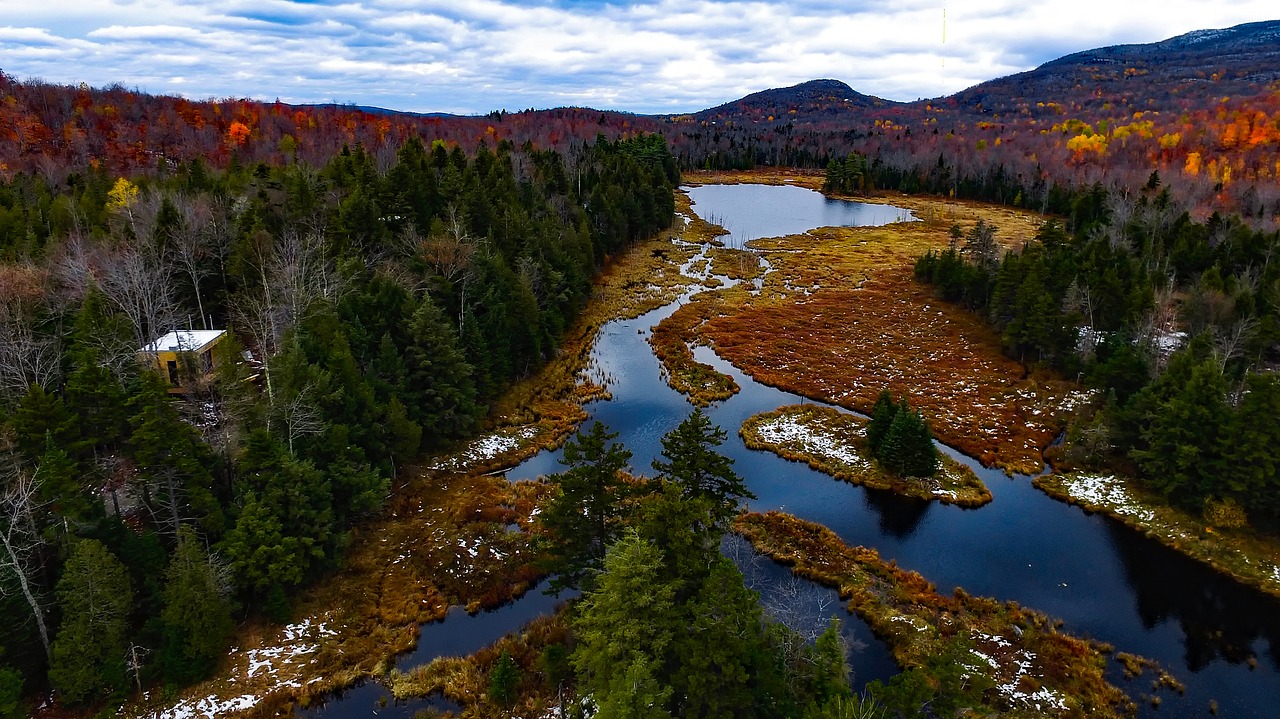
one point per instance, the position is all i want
(184, 341)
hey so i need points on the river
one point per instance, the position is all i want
(1102, 579)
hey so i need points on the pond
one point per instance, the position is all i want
(751, 212)
(1104, 580)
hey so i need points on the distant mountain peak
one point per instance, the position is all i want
(800, 102)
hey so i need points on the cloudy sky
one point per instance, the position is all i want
(473, 56)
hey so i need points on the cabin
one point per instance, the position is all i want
(183, 357)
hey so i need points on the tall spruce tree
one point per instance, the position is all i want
(693, 463)
(95, 596)
(587, 512)
(197, 610)
(441, 397)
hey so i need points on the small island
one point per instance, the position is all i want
(835, 443)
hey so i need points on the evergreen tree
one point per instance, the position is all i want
(830, 683)
(881, 419)
(629, 618)
(715, 655)
(170, 454)
(41, 418)
(907, 448)
(504, 680)
(1253, 473)
(587, 514)
(693, 463)
(285, 527)
(441, 395)
(196, 607)
(60, 485)
(634, 693)
(899, 438)
(95, 597)
(1184, 439)
(11, 706)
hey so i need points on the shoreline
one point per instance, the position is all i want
(1245, 557)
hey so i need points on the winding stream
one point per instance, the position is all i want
(1104, 580)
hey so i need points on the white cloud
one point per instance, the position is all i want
(659, 56)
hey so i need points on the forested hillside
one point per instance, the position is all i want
(1175, 323)
(1202, 108)
(375, 312)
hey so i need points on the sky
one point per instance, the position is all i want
(475, 56)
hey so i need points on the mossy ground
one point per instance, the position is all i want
(1243, 554)
(834, 442)
(1035, 669)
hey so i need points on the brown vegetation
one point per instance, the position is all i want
(443, 539)
(671, 339)
(1025, 653)
(835, 444)
(841, 318)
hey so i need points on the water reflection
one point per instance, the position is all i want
(751, 212)
(899, 516)
(369, 698)
(1103, 580)
(1219, 618)
(461, 634)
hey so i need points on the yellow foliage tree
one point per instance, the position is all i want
(1192, 167)
(122, 195)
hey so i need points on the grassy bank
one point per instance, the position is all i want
(1014, 657)
(834, 443)
(540, 655)
(1247, 557)
(671, 340)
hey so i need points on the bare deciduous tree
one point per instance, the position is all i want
(20, 541)
(293, 275)
(300, 417)
(137, 280)
(26, 356)
(1229, 343)
(192, 245)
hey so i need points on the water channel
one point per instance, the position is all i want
(1105, 581)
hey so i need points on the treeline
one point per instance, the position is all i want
(372, 316)
(1176, 323)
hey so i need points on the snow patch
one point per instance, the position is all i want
(1106, 491)
(787, 430)
(209, 707)
(487, 447)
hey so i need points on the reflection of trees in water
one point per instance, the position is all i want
(800, 605)
(1219, 618)
(899, 516)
